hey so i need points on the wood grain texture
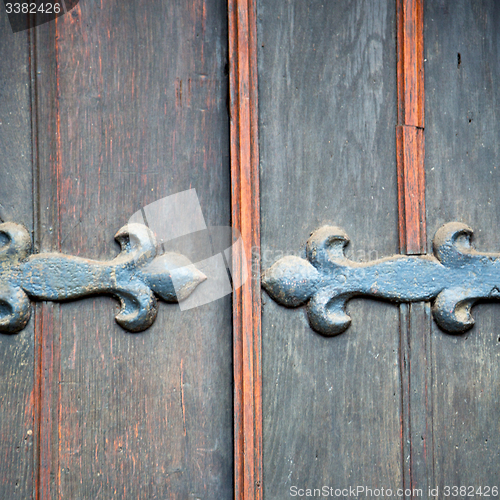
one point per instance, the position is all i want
(409, 132)
(415, 340)
(16, 204)
(410, 67)
(132, 108)
(327, 114)
(246, 218)
(46, 221)
(416, 398)
(411, 189)
(463, 178)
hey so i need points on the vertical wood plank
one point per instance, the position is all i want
(45, 113)
(415, 342)
(411, 97)
(463, 180)
(17, 430)
(132, 98)
(416, 398)
(409, 131)
(328, 110)
(245, 200)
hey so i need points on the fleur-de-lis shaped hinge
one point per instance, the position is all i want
(136, 276)
(455, 277)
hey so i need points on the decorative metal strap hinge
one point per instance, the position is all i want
(135, 276)
(455, 277)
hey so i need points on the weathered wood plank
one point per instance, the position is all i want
(140, 113)
(409, 132)
(411, 189)
(16, 204)
(417, 410)
(410, 67)
(45, 107)
(245, 198)
(462, 41)
(414, 348)
(327, 103)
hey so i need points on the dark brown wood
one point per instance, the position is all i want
(409, 132)
(17, 431)
(129, 105)
(327, 113)
(46, 222)
(132, 108)
(245, 200)
(47, 403)
(463, 178)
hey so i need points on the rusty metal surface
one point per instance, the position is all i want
(455, 277)
(135, 277)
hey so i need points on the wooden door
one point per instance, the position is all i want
(284, 116)
(394, 402)
(106, 110)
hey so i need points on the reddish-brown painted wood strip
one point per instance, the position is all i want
(409, 133)
(246, 218)
(411, 189)
(410, 63)
(414, 321)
